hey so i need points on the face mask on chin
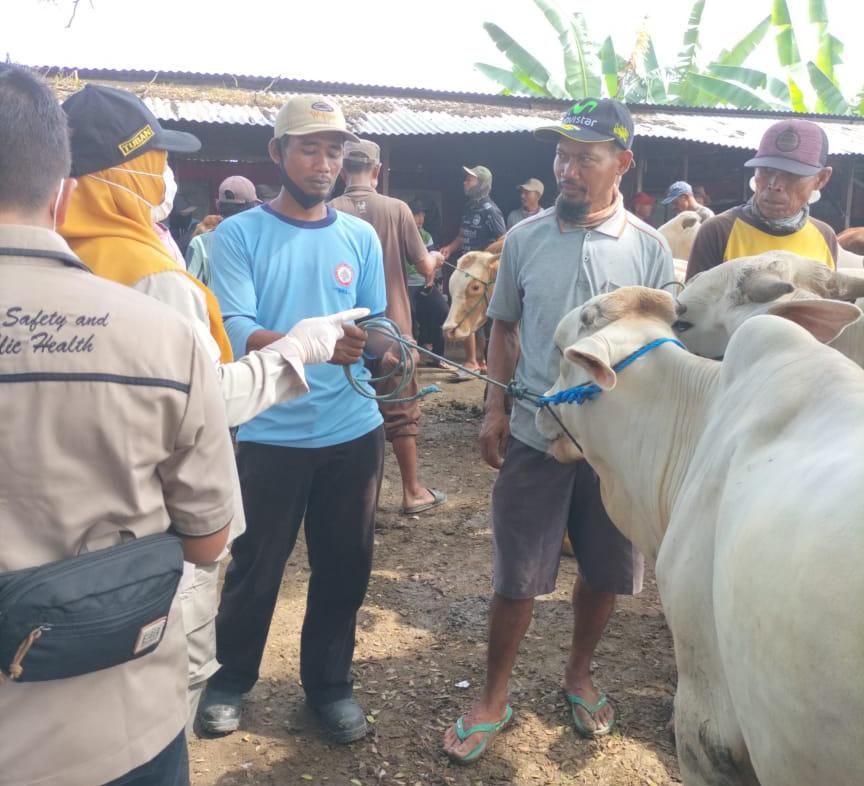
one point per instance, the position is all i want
(163, 210)
(306, 201)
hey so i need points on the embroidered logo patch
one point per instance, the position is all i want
(787, 141)
(344, 274)
(322, 106)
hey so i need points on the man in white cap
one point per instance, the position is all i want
(318, 460)
(530, 193)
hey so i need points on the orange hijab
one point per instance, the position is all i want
(111, 229)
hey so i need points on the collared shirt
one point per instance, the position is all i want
(482, 224)
(736, 233)
(517, 215)
(548, 270)
(112, 420)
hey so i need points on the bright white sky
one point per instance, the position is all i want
(389, 42)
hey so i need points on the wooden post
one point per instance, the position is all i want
(686, 175)
(850, 193)
(385, 167)
(640, 173)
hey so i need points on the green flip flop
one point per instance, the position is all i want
(591, 709)
(489, 730)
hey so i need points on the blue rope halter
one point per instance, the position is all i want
(582, 393)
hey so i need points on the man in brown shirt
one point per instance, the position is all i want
(401, 242)
(112, 422)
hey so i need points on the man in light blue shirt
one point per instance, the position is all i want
(316, 460)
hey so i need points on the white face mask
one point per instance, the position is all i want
(161, 212)
(157, 212)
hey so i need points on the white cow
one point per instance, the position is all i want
(717, 301)
(680, 232)
(732, 475)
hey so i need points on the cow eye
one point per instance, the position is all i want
(681, 326)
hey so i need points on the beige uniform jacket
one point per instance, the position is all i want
(110, 418)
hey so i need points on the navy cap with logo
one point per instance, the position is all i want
(110, 127)
(593, 120)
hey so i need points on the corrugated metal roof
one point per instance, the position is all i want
(408, 113)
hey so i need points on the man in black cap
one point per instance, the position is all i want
(791, 167)
(552, 263)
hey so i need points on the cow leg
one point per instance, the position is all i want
(711, 750)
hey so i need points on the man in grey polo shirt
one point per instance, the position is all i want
(553, 262)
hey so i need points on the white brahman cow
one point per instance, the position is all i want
(716, 302)
(680, 232)
(735, 476)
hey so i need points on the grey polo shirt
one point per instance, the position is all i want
(546, 271)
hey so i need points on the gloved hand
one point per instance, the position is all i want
(314, 339)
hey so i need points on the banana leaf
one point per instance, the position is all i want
(787, 45)
(744, 48)
(610, 64)
(727, 93)
(859, 102)
(687, 93)
(829, 54)
(796, 95)
(507, 80)
(746, 76)
(527, 64)
(581, 63)
(817, 11)
(830, 99)
(655, 76)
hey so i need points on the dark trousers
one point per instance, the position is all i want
(334, 491)
(431, 309)
(168, 768)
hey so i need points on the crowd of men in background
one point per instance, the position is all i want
(122, 372)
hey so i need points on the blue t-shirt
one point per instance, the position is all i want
(269, 272)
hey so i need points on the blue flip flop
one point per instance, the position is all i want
(489, 731)
(591, 709)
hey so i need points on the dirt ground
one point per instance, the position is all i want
(421, 637)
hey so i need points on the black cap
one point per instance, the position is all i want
(110, 127)
(593, 120)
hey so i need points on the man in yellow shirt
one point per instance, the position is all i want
(791, 168)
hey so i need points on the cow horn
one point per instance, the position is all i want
(763, 288)
(849, 287)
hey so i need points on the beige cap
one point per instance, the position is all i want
(482, 173)
(533, 184)
(237, 190)
(310, 114)
(364, 151)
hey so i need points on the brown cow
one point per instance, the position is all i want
(471, 287)
(852, 239)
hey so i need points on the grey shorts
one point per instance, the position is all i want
(534, 500)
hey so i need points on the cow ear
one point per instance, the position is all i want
(823, 319)
(493, 265)
(594, 358)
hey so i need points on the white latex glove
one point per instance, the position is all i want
(313, 340)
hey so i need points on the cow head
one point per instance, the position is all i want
(716, 302)
(471, 287)
(680, 232)
(591, 340)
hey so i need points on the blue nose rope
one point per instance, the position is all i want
(582, 393)
(406, 368)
